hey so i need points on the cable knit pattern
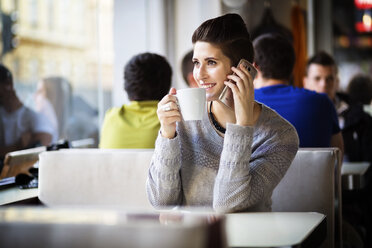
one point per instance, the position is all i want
(236, 173)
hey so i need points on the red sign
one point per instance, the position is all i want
(363, 4)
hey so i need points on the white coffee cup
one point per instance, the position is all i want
(192, 103)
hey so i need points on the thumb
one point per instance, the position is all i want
(172, 91)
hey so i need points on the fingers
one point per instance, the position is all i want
(242, 78)
(168, 114)
(241, 84)
(167, 104)
(168, 110)
(238, 81)
(233, 86)
(172, 91)
(246, 73)
(167, 98)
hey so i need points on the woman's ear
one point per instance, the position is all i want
(255, 65)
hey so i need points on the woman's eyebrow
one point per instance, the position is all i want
(208, 58)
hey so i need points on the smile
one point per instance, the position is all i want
(207, 86)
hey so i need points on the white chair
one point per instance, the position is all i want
(94, 177)
(312, 184)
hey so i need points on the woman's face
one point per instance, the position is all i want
(211, 68)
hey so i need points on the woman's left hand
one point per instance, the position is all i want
(243, 94)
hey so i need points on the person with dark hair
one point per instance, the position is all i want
(359, 90)
(187, 70)
(20, 127)
(321, 76)
(312, 114)
(147, 79)
(234, 162)
(357, 130)
(357, 134)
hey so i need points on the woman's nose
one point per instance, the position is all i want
(201, 73)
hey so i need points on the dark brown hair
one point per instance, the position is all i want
(5, 74)
(275, 56)
(230, 34)
(147, 76)
(360, 89)
(321, 58)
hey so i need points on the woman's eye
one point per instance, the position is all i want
(211, 62)
(195, 63)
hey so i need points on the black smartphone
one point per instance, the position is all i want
(226, 94)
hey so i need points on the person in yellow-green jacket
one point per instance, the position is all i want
(147, 79)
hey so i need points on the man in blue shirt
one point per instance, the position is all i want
(312, 114)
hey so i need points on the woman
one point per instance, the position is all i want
(233, 158)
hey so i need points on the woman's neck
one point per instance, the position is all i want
(222, 113)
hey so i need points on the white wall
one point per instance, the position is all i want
(146, 26)
(139, 26)
(129, 39)
(189, 15)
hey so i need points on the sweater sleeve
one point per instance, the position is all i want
(163, 184)
(245, 179)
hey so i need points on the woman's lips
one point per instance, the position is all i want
(207, 86)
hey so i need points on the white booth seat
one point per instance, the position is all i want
(99, 177)
(94, 177)
(312, 184)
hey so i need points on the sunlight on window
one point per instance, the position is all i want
(59, 39)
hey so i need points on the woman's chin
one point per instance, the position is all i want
(211, 97)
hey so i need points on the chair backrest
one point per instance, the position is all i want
(94, 177)
(312, 184)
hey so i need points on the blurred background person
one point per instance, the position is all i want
(187, 70)
(71, 116)
(357, 130)
(44, 106)
(357, 134)
(147, 79)
(58, 92)
(322, 77)
(312, 114)
(359, 90)
(20, 127)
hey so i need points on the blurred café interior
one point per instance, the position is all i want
(79, 48)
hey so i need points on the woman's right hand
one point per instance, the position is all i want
(168, 114)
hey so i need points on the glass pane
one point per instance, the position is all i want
(60, 53)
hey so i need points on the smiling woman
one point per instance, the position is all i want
(197, 164)
(211, 68)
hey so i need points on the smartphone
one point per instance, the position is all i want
(226, 94)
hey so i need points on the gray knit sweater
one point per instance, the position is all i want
(236, 173)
